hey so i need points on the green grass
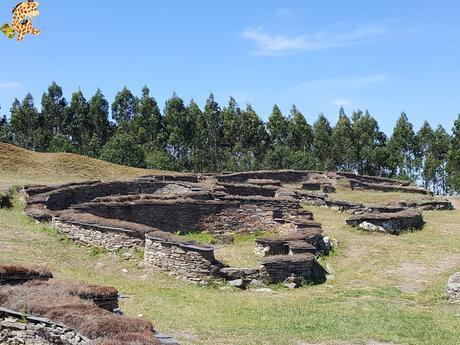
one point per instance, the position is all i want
(386, 288)
(241, 253)
(375, 197)
(202, 237)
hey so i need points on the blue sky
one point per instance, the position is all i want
(387, 56)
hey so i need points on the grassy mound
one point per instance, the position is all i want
(19, 166)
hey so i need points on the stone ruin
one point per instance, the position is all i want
(393, 223)
(149, 211)
(59, 312)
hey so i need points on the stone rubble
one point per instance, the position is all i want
(15, 330)
(453, 288)
(124, 214)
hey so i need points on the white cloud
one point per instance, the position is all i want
(10, 85)
(355, 82)
(267, 44)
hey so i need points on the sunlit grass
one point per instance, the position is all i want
(375, 197)
(364, 302)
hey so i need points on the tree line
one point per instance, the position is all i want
(183, 137)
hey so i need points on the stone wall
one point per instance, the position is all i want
(187, 215)
(186, 260)
(298, 268)
(174, 178)
(393, 223)
(279, 203)
(64, 197)
(373, 179)
(36, 331)
(287, 176)
(356, 184)
(98, 236)
(249, 190)
(281, 244)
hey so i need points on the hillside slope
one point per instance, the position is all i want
(19, 166)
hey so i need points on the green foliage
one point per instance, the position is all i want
(148, 121)
(278, 127)
(402, 149)
(159, 159)
(124, 108)
(60, 143)
(214, 133)
(300, 133)
(322, 143)
(96, 252)
(123, 149)
(179, 129)
(343, 149)
(187, 138)
(54, 112)
(5, 130)
(82, 128)
(283, 157)
(453, 164)
(25, 123)
(369, 144)
(98, 123)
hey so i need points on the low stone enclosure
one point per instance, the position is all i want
(38, 311)
(149, 211)
(394, 223)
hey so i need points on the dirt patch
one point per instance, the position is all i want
(455, 202)
(345, 343)
(413, 277)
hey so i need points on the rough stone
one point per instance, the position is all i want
(37, 331)
(265, 290)
(281, 267)
(371, 227)
(185, 259)
(223, 239)
(453, 288)
(385, 187)
(264, 182)
(393, 223)
(238, 283)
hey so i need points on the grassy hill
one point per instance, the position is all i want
(19, 166)
(387, 289)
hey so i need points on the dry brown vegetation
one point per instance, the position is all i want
(65, 303)
(20, 167)
(26, 271)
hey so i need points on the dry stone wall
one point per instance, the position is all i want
(356, 184)
(297, 268)
(98, 236)
(35, 331)
(187, 260)
(393, 223)
(188, 215)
